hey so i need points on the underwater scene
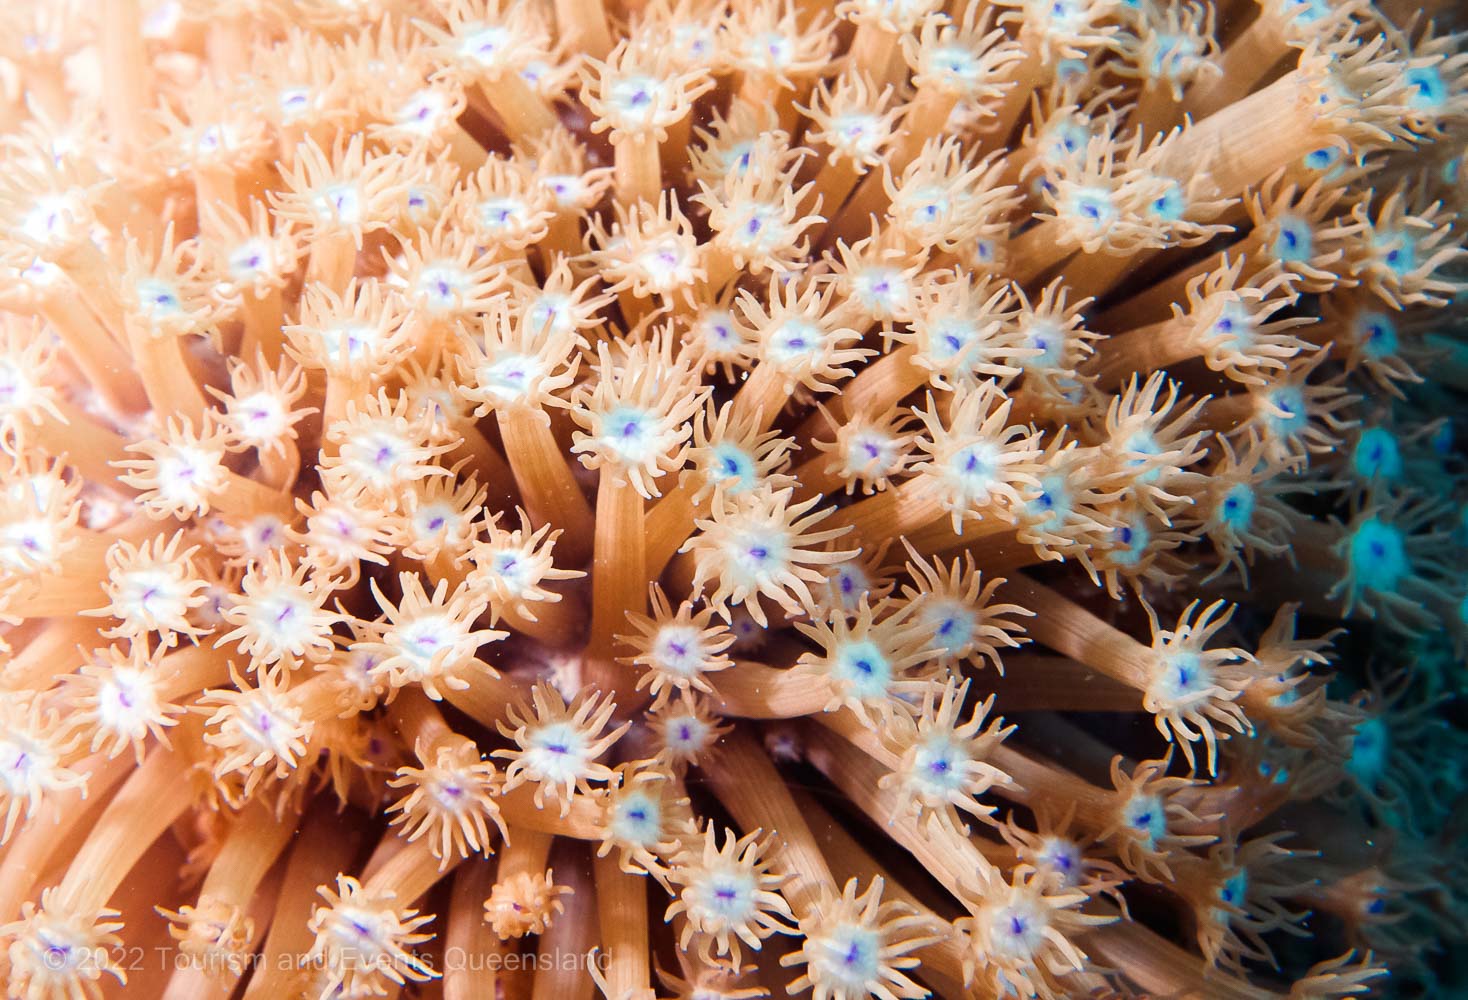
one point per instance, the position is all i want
(727, 499)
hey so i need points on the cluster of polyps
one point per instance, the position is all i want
(602, 472)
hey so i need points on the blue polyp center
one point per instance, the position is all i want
(246, 261)
(1277, 776)
(559, 739)
(1292, 413)
(1046, 337)
(1378, 334)
(158, 297)
(1170, 206)
(939, 766)
(1067, 70)
(847, 585)
(950, 624)
(955, 60)
(1147, 814)
(856, 955)
(1066, 17)
(1441, 440)
(795, 343)
(1295, 242)
(1237, 509)
(950, 338)
(1235, 327)
(1307, 11)
(498, 213)
(507, 562)
(1131, 543)
(627, 431)
(1052, 504)
(1143, 445)
(734, 467)
(1094, 207)
(1378, 556)
(294, 100)
(548, 312)
(930, 205)
(1322, 159)
(863, 668)
(1235, 889)
(1069, 137)
(640, 818)
(975, 469)
(1377, 455)
(1427, 89)
(1369, 752)
(1397, 252)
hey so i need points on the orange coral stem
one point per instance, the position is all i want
(670, 519)
(754, 792)
(1068, 628)
(753, 690)
(891, 513)
(126, 90)
(411, 872)
(875, 390)
(618, 581)
(89, 447)
(639, 170)
(621, 901)
(1249, 140)
(473, 955)
(323, 848)
(167, 378)
(1248, 59)
(146, 805)
(257, 840)
(761, 398)
(263, 336)
(952, 858)
(583, 27)
(546, 483)
(106, 365)
(573, 933)
(1145, 349)
(521, 110)
(1037, 682)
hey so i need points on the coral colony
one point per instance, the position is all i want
(703, 499)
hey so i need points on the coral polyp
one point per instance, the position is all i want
(732, 498)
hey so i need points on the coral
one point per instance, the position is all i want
(732, 498)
